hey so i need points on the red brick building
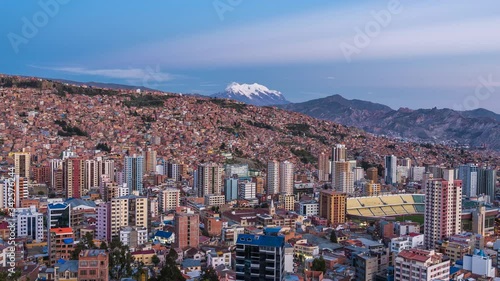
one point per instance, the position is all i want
(93, 265)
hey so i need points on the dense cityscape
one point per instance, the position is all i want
(103, 184)
(233, 140)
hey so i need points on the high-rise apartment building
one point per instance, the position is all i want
(372, 174)
(246, 190)
(286, 177)
(174, 171)
(12, 196)
(260, 257)
(406, 162)
(332, 206)
(128, 210)
(209, 180)
(41, 174)
(134, 173)
(106, 168)
(323, 167)
(55, 165)
(149, 161)
(339, 153)
(343, 176)
(22, 164)
(230, 189)
(74, 177)
(486, 182)
(259, 184)
(187, 230)
(390, 169)
(287, 201)
(468, 174)
(169, 199)
(59, 215)
(103, 225)
(443, 208)
(273, 177)
(91, 174)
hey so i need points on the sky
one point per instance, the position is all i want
(415, 54)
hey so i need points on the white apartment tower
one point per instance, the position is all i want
(128, 210)
(273, 176)
(169, 199)
(286, 177)
(343, 176)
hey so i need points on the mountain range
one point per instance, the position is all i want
(190, 129)
(478, 127)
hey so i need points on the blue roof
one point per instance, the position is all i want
(68, 241)
(191, 263)
(78, 202)
(163, 234)
(454, 270)
(261, 240)
(57, 206)
(289, 277)
(71, 266)
(269, 230)
(479, 253)
(459, 262)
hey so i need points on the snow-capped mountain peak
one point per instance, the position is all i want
(255, 94)
(250, 90)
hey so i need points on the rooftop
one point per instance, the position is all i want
(420, 255)
(71, 266)
(92, 253)
(261, 240)
(61, 230)
(163, 234)
(191, 263)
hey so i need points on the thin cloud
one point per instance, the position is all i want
(131, 74)
(421, 30)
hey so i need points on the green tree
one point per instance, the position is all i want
(4, 275)
(155, 260)
(120, 260)
(209, 275)
(140, 271)
(86, 243)
(170, 271)
(103, 246)
(319, 265)
(333, 237)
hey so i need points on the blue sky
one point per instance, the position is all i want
(415, 54)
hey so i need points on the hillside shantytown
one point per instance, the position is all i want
(112, 184)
